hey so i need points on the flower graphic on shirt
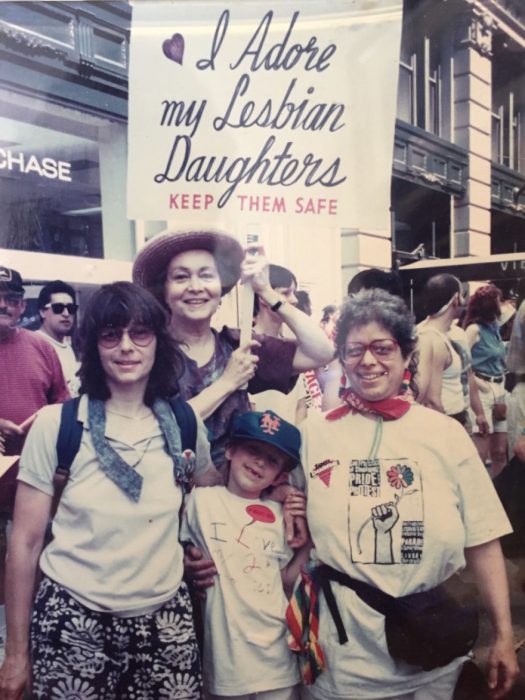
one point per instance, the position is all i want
(400, 476)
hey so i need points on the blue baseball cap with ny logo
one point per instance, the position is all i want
(267, 426)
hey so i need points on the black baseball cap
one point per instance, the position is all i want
(11, 279)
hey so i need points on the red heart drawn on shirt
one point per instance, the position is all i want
(174, 48)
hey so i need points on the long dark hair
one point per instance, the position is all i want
(118, 305)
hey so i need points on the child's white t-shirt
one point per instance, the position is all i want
(245, 645)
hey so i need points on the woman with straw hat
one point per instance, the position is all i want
(189, 272)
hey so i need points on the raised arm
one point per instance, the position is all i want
(32, 509)
(313, 347)
(487, 564)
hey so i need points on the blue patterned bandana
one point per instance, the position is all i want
(116, 469)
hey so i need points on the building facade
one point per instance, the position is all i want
(458, 177)
(458, 181)
(63, 116)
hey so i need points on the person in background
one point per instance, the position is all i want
(112, 617)
(328, 320)
(304, 303)
(488, 364)
(189, 272)
(245, 637)
(57, 308)
(290, 406)
(516, 365)
(397, 499)
(374, 278)
(440, 373)
(266, 321)
(30, 377)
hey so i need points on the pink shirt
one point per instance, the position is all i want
(30, 377)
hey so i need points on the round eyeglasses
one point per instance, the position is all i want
(111, 337)
(381, 349)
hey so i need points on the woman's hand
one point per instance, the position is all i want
(503, 669)
(198, 571)
(7, 427)
(241, 366)
(14, 676)
(255, 270)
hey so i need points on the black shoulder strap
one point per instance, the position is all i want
(68, 444)
(187, 421)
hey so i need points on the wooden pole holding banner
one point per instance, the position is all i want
(247, 295)
(252, 247)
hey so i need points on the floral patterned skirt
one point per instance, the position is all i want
(82, 654)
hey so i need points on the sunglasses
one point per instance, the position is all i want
(380, 349)
(111, 337)
(11, 299)
(59, 308)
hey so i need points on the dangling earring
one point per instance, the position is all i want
(407, 378)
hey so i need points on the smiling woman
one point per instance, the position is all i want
(114, 563)
(398, 501)
(189, 272)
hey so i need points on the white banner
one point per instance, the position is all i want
(263, 112)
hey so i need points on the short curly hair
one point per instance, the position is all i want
(377, 306)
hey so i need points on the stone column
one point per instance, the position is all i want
(472, 128)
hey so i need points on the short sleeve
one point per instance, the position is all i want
(38, 460)
(275, 366)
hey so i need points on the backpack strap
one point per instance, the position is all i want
(68, 444)
(187, 422)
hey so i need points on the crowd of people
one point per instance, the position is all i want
(192, 515)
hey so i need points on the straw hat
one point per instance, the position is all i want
(152, 260)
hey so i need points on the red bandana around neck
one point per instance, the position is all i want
(389, 409)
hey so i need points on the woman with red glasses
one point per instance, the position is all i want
(112, 616)
(398, 501)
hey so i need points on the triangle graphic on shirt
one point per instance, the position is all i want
(325, 476)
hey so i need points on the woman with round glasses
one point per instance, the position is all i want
(112, 617)
(398, 499)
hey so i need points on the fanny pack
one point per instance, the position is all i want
(427, 629)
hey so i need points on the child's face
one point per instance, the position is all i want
(253, 467)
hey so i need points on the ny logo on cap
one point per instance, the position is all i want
(6, 274)
(270, 423)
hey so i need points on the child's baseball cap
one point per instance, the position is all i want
(268, 427)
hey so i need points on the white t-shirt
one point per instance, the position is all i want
(433, 498)
(67, 358)
(245, 647)
(111, 553)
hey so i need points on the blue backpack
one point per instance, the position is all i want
(70, 435)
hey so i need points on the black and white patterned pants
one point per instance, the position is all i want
(81, 654)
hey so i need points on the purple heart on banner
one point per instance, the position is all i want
(174, 48)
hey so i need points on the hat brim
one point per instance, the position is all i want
(152, 260)
(246, 435)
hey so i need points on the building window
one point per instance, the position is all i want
(50, 190)
(419, 98)
(433, 89)
(406, 94)
(506, 134)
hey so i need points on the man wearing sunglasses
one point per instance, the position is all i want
(57, 308)
(30, 377)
